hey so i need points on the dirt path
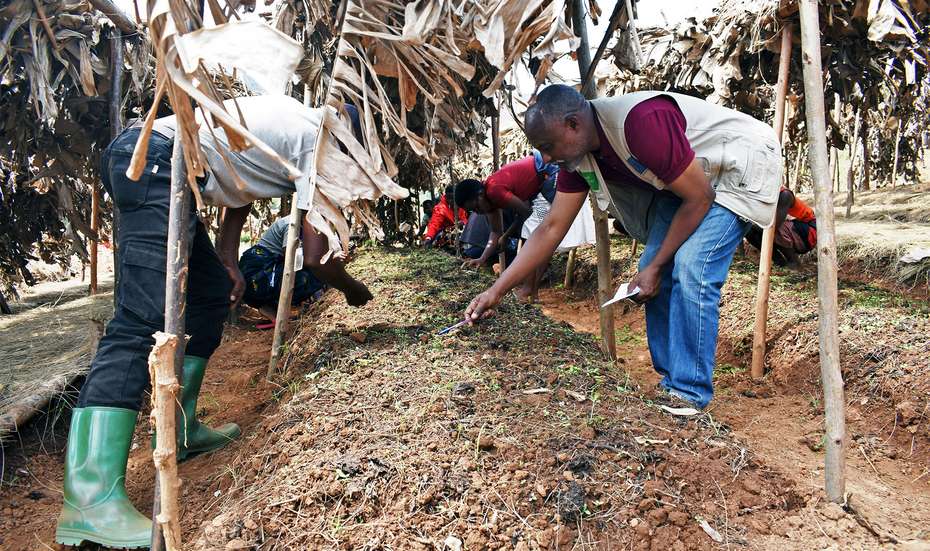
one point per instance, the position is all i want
(887, 478)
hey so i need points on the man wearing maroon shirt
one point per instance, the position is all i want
(512, 188)
(682, 175)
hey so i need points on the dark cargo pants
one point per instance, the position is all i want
(119, 374)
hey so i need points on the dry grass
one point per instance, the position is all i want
(885, 225)
(50, 340)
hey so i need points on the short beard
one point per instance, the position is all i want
(571, 166)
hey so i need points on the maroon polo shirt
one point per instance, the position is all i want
(655, 134)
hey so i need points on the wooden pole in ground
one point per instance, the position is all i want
(165, 387)
(496, 151)
(179, 236)
(850, 175)
(287, 290)
(116, 126)
(894, 165)
(570, 269)
(866, 157)
(768, 234)
(283, 317)
(601, 231)
(834, 415)
(835, 152)
(456, 234)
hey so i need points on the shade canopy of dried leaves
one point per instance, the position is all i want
(875, 55)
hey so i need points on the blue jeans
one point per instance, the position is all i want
(682, 320)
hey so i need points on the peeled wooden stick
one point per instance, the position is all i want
(757, 369)
(830, 372)
(165, 388)
(287, 289)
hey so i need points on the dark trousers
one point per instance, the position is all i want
(264, 271)
(119, 374)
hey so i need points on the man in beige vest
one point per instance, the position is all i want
(682, 175)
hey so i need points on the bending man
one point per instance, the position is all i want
(262, 266)
(96, 507)
(795, 236)
(684, 176)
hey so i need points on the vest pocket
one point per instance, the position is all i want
(750, 166)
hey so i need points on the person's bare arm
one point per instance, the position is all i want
(697, 196)
(332, 272)
(496, 221)
(536, 252)
(227, 247)
(521, 211)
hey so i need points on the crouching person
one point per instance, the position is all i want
(262, 266)
(96, 507)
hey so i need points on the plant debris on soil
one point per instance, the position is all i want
(514, 434)
(517, 434)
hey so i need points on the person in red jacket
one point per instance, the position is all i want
(796, 235)
(442, 219)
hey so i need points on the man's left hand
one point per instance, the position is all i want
(238, 285)
(648, 281)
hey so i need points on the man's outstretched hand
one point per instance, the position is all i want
(482, 307)
(357, 294)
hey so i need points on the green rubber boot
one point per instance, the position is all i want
(96, 507)
(196, 438)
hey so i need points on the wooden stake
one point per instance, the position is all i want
(116, 15)
(850, 175)
(834, 152)
(768, 234)
(601, 231)
(456, 234)
(165, 387)
(894, 165)
(116, 127)
(496, 151)
(179, 237)
(94, 239)
(570, 270)
(287, 289)
(866, 158)
(831, 375)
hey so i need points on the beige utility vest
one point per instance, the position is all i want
(741, 157)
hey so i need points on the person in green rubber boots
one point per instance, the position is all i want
(96, 507)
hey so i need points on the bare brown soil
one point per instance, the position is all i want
(513, 435)
(781, 418)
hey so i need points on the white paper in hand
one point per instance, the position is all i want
(622, 292)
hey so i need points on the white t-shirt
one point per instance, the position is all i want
(285, 125)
